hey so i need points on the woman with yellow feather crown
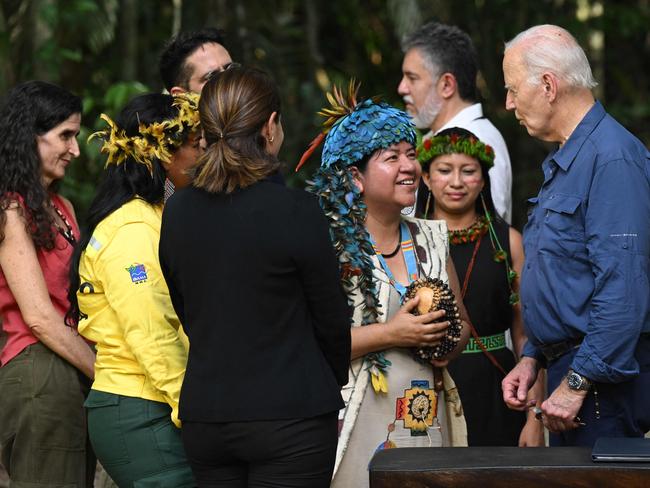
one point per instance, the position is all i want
(121, 301)
(408, 319)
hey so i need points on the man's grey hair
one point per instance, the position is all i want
(549, 48)
(447, 49)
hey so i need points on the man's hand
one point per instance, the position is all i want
(560, 410)
(515, 386)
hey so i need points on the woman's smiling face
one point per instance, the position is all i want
(57, 147)
(391, 177)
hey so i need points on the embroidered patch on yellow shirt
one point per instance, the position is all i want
(138, 273)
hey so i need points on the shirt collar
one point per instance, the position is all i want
(566, 154)
(464, 117)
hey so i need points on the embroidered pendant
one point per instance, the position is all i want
(417, 408)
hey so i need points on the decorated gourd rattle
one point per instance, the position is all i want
(434, 295)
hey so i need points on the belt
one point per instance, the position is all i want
(558, 349)
(491, 343)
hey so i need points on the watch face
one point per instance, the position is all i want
(574, 380)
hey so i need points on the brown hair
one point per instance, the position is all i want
(235, 104)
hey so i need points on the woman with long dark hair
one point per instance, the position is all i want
(253, 277)
(45, 366)
(121, 300)
(488, 255)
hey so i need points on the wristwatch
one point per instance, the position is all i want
(577, 381)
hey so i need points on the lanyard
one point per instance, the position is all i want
(408, 251)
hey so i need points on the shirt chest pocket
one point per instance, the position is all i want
(563, 225)
(561, 214)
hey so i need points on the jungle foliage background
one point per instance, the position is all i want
(107, 51)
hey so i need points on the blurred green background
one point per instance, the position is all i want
(107, 51)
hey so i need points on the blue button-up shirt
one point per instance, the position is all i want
(587, 247)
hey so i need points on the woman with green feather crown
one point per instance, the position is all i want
(408, 320)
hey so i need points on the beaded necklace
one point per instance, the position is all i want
(410, 259)
(66, 232)
(397, 248)
(471, 233)
(474, 233)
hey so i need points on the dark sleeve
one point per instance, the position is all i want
(319, 272)
(165, 255)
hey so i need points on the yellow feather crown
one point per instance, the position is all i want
(155, 140)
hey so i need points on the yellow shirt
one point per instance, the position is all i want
(141, 346)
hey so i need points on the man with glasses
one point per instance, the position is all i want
(190, 58)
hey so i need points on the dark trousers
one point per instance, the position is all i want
(624, 407)
(43, 438)
(273, 453)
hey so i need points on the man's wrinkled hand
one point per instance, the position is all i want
(560, 410)
(516, 384)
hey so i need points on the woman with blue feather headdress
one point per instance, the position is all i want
(408, 319)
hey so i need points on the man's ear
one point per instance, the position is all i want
(551, 86)
(447, 85)
(357, 178)
(177, 90)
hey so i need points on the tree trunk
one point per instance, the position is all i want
(313, 22)
(407, 16)
(178, 17)
(41, 35)
(129, 39)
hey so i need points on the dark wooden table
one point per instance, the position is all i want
(486, 467)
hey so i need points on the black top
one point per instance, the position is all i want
(255, 282)
(488, 294)
(489, 421)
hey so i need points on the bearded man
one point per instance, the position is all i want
(439, 88)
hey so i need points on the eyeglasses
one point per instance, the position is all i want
(211, 74)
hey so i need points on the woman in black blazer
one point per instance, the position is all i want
(254, 279)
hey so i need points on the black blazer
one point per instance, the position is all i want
(255, 282)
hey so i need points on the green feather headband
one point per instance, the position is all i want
(432, 147)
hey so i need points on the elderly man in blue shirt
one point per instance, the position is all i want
(584, 287)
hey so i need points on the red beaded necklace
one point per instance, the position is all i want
(471, 233)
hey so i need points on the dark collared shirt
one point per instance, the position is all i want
(587, 249)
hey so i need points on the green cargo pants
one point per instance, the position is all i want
(136, 442)
(42, 422)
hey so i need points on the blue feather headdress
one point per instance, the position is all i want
(352, 132)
